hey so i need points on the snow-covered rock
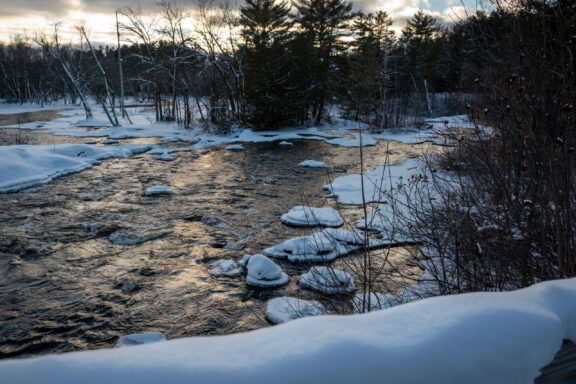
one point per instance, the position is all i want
(476, 338)
(285, 143)
(158, 190)
(25, 166)
(228, 268)
(312, 164)
(304, 216)
(140, 338)
(263, 272)
(235, 148)
(283, 309)
(328, 280)
(322, 246)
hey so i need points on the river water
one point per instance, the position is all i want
(64, 286)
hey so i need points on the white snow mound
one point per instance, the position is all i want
(228, 268)
(263, 272)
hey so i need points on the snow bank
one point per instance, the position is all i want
(140, 338)
(377, 183)
(312, 164)
(479, 338)
(328, 280)
(158, 190)
(25, 166)
(9, 108)
(304, 216)
(263, 272)
(283, 309)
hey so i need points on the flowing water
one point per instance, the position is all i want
(65, 286)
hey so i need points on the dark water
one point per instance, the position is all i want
(64, 286)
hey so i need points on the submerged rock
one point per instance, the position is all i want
(158, 190)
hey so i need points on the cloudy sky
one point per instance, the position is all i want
(31, 16)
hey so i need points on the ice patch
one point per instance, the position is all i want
(285, 144)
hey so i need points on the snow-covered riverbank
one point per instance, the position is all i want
(472, 338)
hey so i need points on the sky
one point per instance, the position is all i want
(32, 16)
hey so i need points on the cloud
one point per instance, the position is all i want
(36, 7)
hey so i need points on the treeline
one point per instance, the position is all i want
(266, 64)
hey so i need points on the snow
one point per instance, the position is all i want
(140, 338)
(92, 123)
(9, 109)
(377, 183)
(312, 164)
(285, 144)
(477, 338)
(328, 280)
(263, 272)
(158, 190)
(304, 216)
(228, 268)
(25, 166)
(322, 246)
(283, 309)
(235, 148)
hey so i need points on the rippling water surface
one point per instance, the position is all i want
(64, 286)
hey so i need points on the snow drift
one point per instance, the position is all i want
(473, 338)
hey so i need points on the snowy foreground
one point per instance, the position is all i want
(473, 338)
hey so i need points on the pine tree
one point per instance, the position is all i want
(323, 23)
(266, 33)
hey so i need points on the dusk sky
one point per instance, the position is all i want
(31, 16)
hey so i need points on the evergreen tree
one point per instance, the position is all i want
(266, 33)
(323, 24)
